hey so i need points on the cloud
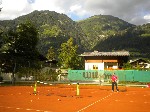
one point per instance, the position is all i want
(14, 8)
(47, 5)
(78, 12)
(31, 1)
(75, 8)
(133, 11)
(147, 17)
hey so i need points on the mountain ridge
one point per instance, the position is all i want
(99, 32)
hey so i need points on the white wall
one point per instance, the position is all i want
(8, 76)
(114, 65)
(89, 66)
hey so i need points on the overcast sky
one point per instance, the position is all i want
(133, 11)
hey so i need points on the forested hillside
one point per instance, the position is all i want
(100, 27)
(54, 29)
(135, 39)
(100, 32)
(108, 33)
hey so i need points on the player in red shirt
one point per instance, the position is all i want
(114, 79)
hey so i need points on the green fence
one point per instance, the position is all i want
(104, 75)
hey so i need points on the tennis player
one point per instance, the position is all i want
(114, 79)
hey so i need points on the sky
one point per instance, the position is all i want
(133, 11)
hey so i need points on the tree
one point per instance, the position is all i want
(27, 40)
(68, 57)
(0, 4)
(127, 66)
(51, 54)
(1, 32)
(51, 31)
(19, 48)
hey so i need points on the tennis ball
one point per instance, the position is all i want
(59, 100)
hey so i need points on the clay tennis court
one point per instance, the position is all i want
(63, 98)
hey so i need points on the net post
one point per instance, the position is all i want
(35, 88)
(78, 89)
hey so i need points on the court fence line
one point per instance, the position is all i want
(104, 75)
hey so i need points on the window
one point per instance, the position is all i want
(110, 66)
(95, 67)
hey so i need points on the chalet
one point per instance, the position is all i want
(105, 60)
(140, 63)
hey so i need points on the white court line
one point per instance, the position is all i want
(39, 110)
(9, 107)
(18, 108)
(28, 109)
(94, 103)
(146, 102)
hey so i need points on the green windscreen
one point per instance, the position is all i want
(104, 75)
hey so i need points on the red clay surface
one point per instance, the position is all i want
(62, 98)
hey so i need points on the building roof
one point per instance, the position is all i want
(135, 60)
(115, 53)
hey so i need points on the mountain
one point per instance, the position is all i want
(136, 40)
(54, 29)
(99, 32)
(108, 33)
(100, 27)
